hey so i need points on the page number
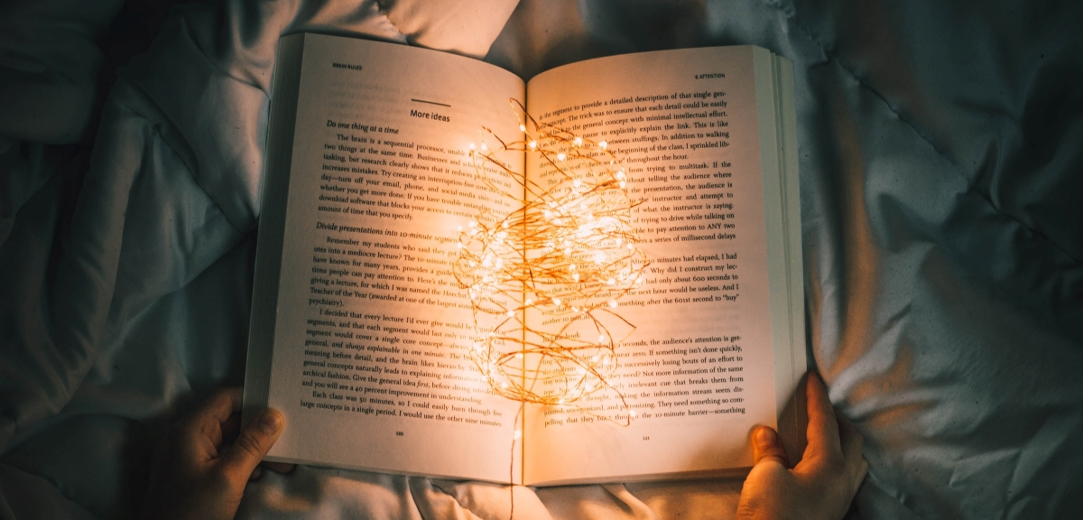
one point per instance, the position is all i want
(646, 438)
(399, 434)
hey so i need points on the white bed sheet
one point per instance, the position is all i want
(940, 151)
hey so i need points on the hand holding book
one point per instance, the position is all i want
(202, 464)
(822, 485)
(826, 480)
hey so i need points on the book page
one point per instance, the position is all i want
(371, 332)
(699, 369)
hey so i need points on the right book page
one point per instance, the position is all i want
(706, 140)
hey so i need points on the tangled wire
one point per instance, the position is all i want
(560, 262)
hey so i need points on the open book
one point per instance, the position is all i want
(360, 333)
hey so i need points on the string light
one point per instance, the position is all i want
(565, 258)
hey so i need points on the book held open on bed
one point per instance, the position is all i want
(361, 334)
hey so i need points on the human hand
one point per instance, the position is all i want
(202, 464)
(823, 484)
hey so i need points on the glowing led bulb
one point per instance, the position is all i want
(473, 146)
(522, 128)
(560, 156)
(603, 145)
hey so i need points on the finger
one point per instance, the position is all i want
(253, 443)
(767, 447)
(231, 428)
(823, 429)
(850, 439)
(852, 443)
(281, 468)
(216, 410)
(862, 472)
(201, 431)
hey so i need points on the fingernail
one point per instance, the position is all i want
(270, 422)
(766, 438)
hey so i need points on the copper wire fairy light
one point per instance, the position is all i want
(564, 258)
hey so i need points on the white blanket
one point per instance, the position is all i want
(941, 146)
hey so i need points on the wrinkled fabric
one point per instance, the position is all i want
(941, 146)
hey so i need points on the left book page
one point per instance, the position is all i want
(359, 331)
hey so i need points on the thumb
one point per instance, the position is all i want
(766, 446)
(253, 443)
